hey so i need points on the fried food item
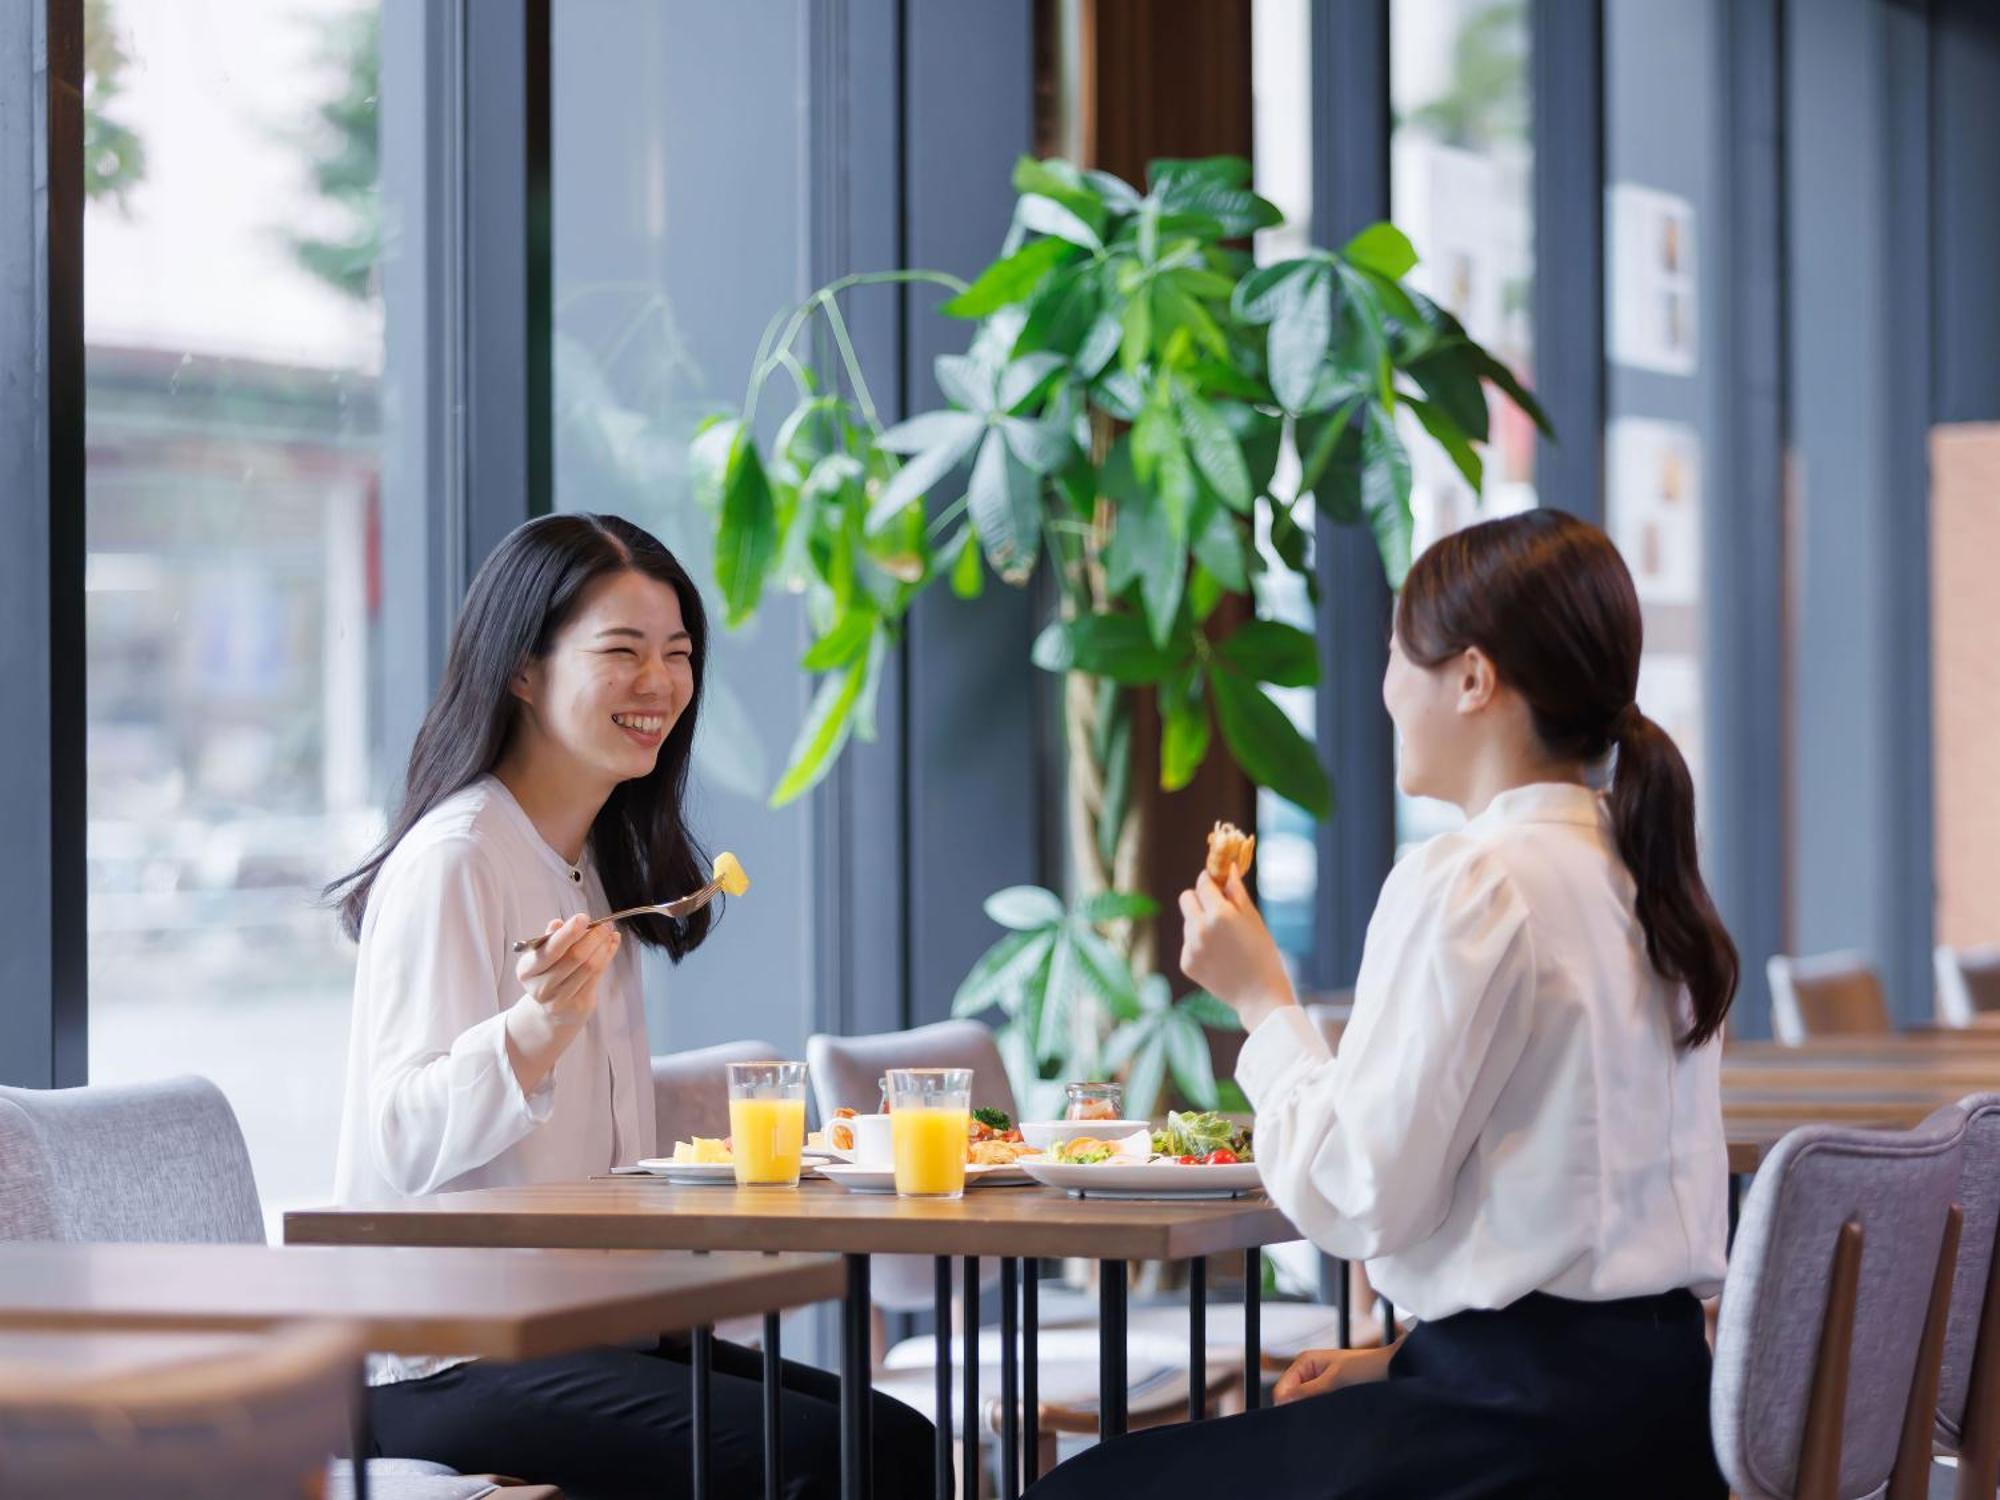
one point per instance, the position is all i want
(995, 1153)
(840, 1130)
(729, 874)
(1229, 848)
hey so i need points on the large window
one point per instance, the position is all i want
(1461, 185)
(234, 342)
(681, 163)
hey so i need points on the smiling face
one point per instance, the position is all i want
(617, 678)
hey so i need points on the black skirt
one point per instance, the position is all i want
(1547, 1397)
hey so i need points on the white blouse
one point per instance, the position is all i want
(432, 1103)
(1509, 1111)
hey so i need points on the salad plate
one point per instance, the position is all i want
(1161, 1177)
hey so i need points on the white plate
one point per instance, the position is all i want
(883, 1179)
(706, 1173)
(1046, 1135)
(1153, 1179)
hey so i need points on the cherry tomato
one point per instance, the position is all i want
(1188, 1161)
(1222, 1156)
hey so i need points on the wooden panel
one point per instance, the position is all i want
(1965, 686)
(507, 1306)
(50, 1361)
(631, 1214)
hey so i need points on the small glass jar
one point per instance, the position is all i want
(1094, 1101)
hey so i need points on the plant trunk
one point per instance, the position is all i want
(1107, 826)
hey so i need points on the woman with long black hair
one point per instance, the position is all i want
(1521, 1132)
(547, 784)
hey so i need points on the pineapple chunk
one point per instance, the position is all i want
(729, 874)
(703, 1151)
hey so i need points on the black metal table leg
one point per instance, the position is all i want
(362, 1435)
(968, 1435)
(1735, 1207)
(1344, 1300)
(704, 1457)
(1197, 1338)
(856, 1383)
(1010, 1408)
(1031, 1374)
(1253, 1338)
(1388, 1311)
(774, 1441)
(941, 1405)
(1110, 1348)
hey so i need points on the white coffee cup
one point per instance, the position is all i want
(874, 1146)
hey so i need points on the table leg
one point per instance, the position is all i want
(773, 1411)
(941, 1406)
(1335, 1287)
(704, 1457)
(1110, 1348)
(1388, 1311)
(1735, 1207)
(1010, 1406)
(362, 1437)
(1031, 1336)
(968, 1435)
(856, 1383)
(1253, 1340)
(1197, 1338)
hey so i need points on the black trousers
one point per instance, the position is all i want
(610, 1423)
(1546, 1398)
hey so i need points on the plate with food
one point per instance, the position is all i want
(1197, 1155)
(859, 1179)
(711, 1161)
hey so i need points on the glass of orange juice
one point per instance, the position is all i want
(930, 1112)
(767, 1122)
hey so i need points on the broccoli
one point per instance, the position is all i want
(994, 1119)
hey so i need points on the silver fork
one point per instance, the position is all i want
(685, 906)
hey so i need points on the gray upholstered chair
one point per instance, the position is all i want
(261, 1422)
(1831, 994)
(1968, 984)
(147, 1162)
(1833, 1315)
(691, 1090)
(1968, 1408)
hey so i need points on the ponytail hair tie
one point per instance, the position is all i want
(1625, 723)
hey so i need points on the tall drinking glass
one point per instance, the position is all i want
(767, 1122)
(930, 1112)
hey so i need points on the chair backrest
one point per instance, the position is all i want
(1898, 1187)
(846, 1071)
(1831, 994)
(691, 1090)
(147, 1162)
(1968, 984)
(1979, 1197)
(263, 1422)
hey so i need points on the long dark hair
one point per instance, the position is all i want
(1549, 600)
(525, 593)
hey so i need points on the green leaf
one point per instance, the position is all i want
(1209, 1011)
(1099, 344)
(1290, 541)
(1449, 375)
(1169, 174)
(1027, 378)
(1104, 970)
(1188, 1056)
(1012, 279)
(1272, 651)
(1117, 906)
(922, 472)
(1145, 550)
(1057, 998)
(1505, 378)
(1298, 340)
(1185, 732)
(1005, 507)
(1025, 908)
(1383, 249)
(928, 430)
(1177, 310)
(1126, 1042)
(967, 382)
(1046, 216)
(1218, 546)
(1001, 969)
(1266, 744)
(871, 686)
(1385, 493)
(1447, 434)
(1113, 646)
(1143, 1078)
(746, 538)
(708, 459)
(1060, 314)
(828, 723)
(842, 644)
(1215, 450)
(968, 578)
(1136, 341)
(1330, 462)
(1042, 447)
(1270, 290)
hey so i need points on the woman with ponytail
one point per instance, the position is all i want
(1521, 1133)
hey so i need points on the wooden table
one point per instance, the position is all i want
(1007, 1223)
(54, 1362)
(497, 1304)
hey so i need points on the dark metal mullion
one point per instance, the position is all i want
(1350, 125)
(1566, 108)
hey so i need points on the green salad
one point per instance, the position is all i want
(1202, 1135)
